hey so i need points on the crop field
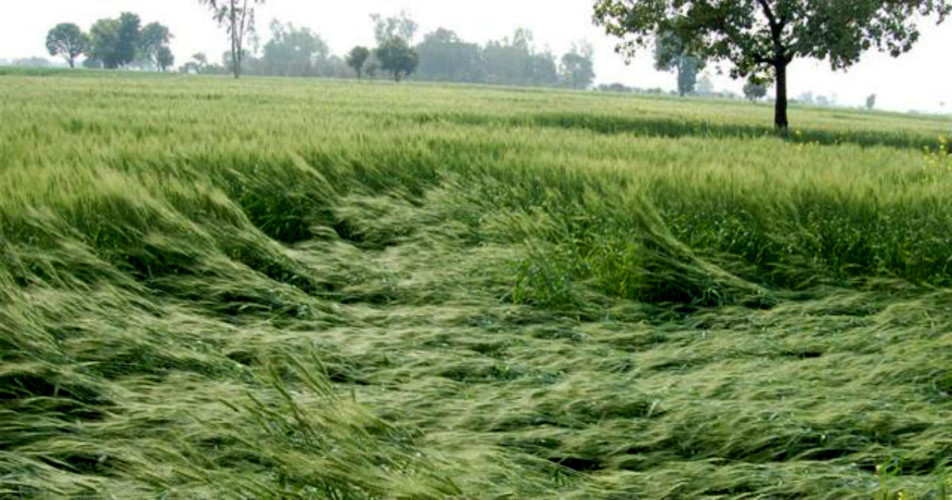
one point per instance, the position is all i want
(301, 289)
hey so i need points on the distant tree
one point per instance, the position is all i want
(400, 26)
(397, 58)
(445, 57)
(293, 51)
(578, 66)
(755, 90)
(372, 66)
(127, 45)
(394, 35)
(871, 102)
(152, 40)
(104, 43)
(32, 62)
(705, 86)
(615, 87)
(762, 37)
(197, 64)
(673, 55)
(514, 61)
(68, 41)
(164, 59)
(356, 59)
(238, 19)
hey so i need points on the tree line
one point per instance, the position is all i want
(300, 52)
(440, 55)
(113, 43)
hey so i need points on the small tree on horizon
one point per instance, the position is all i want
(356, 59)
(394, 36)
(755, 90)
(871, 102)
(762, 37)
(397, 58)
(68, 41)
(164, 59)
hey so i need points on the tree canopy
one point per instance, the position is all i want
(293, 51)
(68, 41)
(761, 37)
(357, 58)
(578, 68)
(153, 38)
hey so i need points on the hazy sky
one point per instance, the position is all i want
(920, 80)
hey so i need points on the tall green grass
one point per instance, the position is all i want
(287, 289)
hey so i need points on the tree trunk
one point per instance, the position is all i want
(72, 63)
(780, 108)
(235, 43)
(680, 80)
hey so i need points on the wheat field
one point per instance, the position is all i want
(306, 289)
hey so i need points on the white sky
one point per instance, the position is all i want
(920, 80)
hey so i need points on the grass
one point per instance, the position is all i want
(323, 290)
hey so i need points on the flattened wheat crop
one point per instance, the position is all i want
(286, 289)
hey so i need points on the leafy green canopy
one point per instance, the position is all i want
(67, 40)
(755, 34)
(762, 37)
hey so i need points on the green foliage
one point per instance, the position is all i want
(754, 90)
(164, 59)
(153, 41)
(578, 66)
(761, 37)
(293, 52)
(357, 58)
(397, 58)
(67, 40)
(447, 58)
(211, 290)
(104, 43)
(672, 54)
(400, 26)
(127, 39)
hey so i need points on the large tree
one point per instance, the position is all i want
(762, 37)
(164, 59)
(104, 43)
(67, 40)
(127, 45)
(394, 36)
(578, 66)
(153, 38)
(238, 19)
(294, 51)
(115, 42)
(446, 57)
(398, 58)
